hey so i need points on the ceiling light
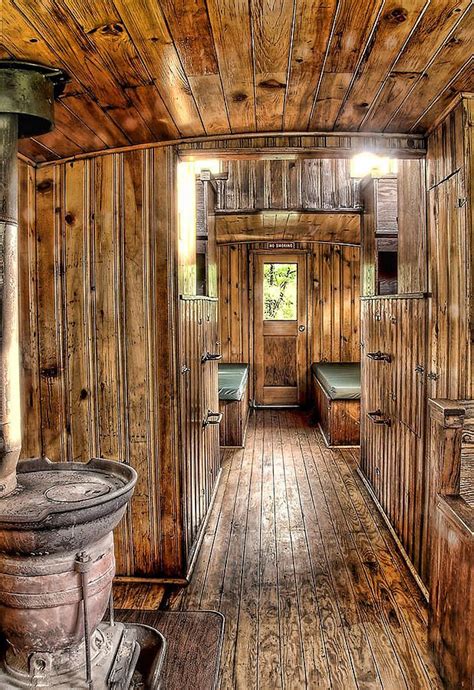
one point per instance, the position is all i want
(370, 164)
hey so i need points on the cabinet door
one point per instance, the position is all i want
(375, 383)
(450, 271)
(409, 360)
(210, 405)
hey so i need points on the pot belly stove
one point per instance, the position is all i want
(56, 519)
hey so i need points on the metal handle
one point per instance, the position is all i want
(379, 356)
(377, 418)
(210, 357)
(212, 418)
(301, 329)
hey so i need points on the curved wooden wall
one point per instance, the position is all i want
(98, 334)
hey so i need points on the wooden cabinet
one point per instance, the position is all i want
(393, 412)
(199, 414)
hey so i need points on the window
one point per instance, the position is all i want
(279, 292)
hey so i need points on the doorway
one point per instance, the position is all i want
(280, 329)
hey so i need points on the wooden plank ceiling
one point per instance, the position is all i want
(151, 70)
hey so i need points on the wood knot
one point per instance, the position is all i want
(84, 393)
(239, 97)
(44, 186)
(272, 84)
(454, 41)
(397, 15)
(69, 218)
(112, 29)
(49, 372)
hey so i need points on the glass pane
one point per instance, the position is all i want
(279, 292)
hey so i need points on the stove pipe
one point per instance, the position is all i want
(27, 93)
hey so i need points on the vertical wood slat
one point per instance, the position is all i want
(50, 269)
(412, 240)
(29, 355)
(100, 280)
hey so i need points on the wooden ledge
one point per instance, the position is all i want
(449, 414)
(458, 512)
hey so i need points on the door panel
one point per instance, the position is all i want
(281, 337)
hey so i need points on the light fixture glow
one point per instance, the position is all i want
(366, 163)
(211, 164)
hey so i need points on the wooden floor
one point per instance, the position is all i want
(298, 560)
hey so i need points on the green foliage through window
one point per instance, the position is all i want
(279, 292)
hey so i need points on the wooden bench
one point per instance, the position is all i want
(336, 395)
(233, 404)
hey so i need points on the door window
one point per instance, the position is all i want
(280, 291)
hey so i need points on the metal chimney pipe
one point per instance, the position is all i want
(27, 93)
(10, 416)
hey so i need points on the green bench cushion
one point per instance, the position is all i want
(340, 380)
(232, 381)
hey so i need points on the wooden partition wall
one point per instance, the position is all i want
(310, 184)
(329, 223)
(99, 294)
(333, 300)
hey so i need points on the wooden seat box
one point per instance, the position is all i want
(233, 403)
(336, 395)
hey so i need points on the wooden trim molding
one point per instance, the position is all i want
(447, 413)
(308, 145)
(287, 145)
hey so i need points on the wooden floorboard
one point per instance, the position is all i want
(306, 573)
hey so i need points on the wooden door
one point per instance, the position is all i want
(280, 329)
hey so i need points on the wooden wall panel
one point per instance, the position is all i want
(333, 301)
(335, 313)
(451, 243)
(234, 302)
(445, 150)
(104, 271)
(288, 226)
(412, 239)
(429, 339)
(288, 184)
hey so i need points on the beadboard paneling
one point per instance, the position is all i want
(290, 185)
(333, 301)
(98, 334)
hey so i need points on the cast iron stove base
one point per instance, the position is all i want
(123, 657)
